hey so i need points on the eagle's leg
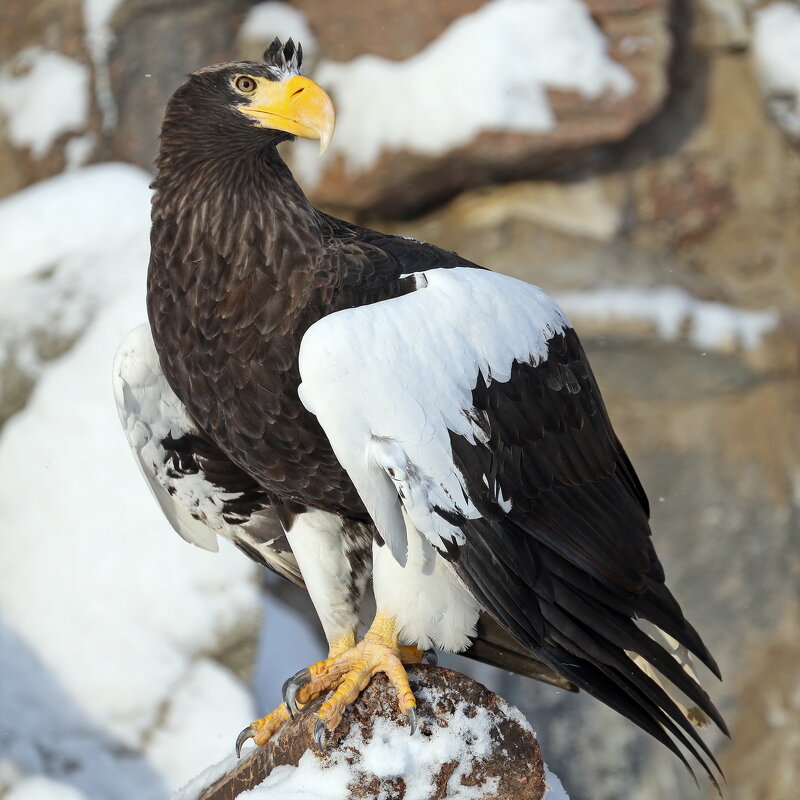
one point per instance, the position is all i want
(262, 730)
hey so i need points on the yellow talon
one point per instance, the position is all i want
(411, 654)
(353, 670)
(347, 671)
(262, 730)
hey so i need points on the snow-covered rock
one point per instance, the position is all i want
(673, 313)
(42, 95)
(265, 21)
(68, 246)
(469, 94)
(776, 48)
(496, 63)
(470, 744)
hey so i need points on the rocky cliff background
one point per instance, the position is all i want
(656, 196)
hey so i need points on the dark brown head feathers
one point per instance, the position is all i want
(284, 57)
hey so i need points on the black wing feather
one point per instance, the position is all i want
(571, 565)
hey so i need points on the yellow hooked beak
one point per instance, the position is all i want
(296, 105)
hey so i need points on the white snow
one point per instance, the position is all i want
(105, 613)
(488, 70)
(42, 95)
(67, 245)
(204, 779)
(309, 780)
(675, 314)
(208, 698)
(98, 212)
(555, 791)
(265, 21)
(97, 16)
(40, 788)
(776, 48)
(78, 150)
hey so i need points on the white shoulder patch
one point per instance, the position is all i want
(388, 381)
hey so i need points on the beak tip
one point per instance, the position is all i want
(324, 141)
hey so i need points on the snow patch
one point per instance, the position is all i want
(776, 48)
(78, 150)
(489, 70)
(97, 16)
(208, 698)
(555, 791)
(194, 787)
(675, 313)
(99, 587)
(42, 95)
(67, 245)
(265, 21)
(39, 788)
(309, 780)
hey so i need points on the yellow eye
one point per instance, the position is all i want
(245, 84)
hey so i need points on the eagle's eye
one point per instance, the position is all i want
(245, 84)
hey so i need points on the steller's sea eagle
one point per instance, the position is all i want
(408, 417)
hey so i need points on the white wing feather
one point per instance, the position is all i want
(387, 382)
(149, 411)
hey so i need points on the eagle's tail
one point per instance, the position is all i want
(494, 645)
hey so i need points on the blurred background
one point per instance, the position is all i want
(638, 159)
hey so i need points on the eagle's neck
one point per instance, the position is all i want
(232, 216)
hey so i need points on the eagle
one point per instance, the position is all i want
(353, 409)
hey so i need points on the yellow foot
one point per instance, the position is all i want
(262, 730)
(351, 671)
(347, 671)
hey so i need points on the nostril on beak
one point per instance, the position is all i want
(294, 94)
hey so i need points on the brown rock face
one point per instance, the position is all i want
(402, 182)
(509, 766)
(157, 44)
(346, 30)
(55, 25)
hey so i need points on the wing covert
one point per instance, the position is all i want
(390, 381)
(201, 492)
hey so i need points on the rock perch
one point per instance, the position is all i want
(469, 743)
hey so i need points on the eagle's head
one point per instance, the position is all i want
(243, 105)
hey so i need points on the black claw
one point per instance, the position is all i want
(321, 735)
(430, 657)
(247, 733)
(411, 716)
(290, 688)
